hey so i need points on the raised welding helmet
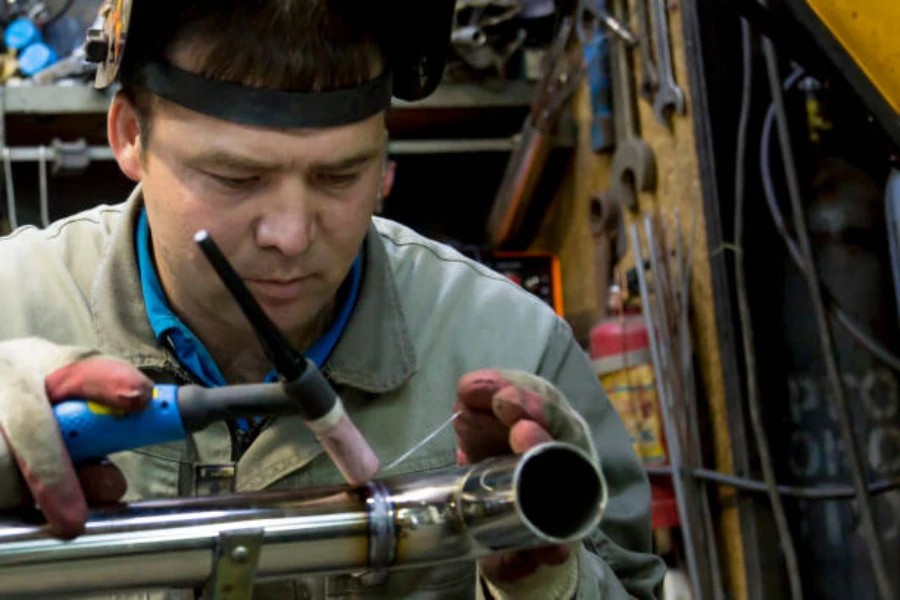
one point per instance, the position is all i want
(416, 57)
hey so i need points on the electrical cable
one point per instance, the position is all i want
(858, 470)
(846, 321)
(830, 492)
(759, 432)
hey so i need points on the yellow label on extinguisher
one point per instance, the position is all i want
(632, 392)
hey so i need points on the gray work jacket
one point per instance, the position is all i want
(425, 316)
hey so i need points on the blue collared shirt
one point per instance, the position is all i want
(189, 350)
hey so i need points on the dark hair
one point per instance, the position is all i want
(303, 45)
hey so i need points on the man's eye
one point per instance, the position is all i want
(336, 180)
(235, 182)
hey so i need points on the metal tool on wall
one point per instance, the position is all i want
(596, 11)
(633, 167)
(595, 42)
(669, 96)
(564, 72)
(605, 221)
(485, 34)
(649, 75)
(634, 164)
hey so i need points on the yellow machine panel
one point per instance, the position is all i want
(869, 31)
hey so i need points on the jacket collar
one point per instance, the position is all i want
(375, 353)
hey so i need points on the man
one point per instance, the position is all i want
(407, 330)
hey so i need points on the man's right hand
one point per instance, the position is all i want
(34, 375)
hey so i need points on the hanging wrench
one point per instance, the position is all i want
(649, 76)
(633, 167)
(668, 96)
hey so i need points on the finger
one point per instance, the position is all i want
(55, 489)
(480, 435)
(102, 483)
(103, 380)
(553, 555)
(32, 438)
(476, 390)
(526, 435)
(511, 404)
(510, 567)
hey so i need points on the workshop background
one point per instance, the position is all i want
(742, 154)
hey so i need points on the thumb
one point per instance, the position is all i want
(104, 380)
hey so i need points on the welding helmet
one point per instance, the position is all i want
(416, 61)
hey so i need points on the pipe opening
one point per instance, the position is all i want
(559, 492)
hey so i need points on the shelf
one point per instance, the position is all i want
(509, 94)
(55, 100)
(83, 99)
(564, 138)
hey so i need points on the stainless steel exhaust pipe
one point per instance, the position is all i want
(552, 494)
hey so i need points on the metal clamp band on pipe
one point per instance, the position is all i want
(554, 493)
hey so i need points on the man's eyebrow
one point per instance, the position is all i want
(349, 162)
(227, 160)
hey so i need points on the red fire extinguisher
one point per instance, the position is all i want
(620, 350)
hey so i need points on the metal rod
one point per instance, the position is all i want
(659, 294)
(752, 386)
(838, 396)
(451, 146)
(33, 153)
(436, 146)
(830, 492)
(553, 494)
(676, 407)
(7, 167)
(686, 349)
(10, 190)
(671, 431)
(42, 186)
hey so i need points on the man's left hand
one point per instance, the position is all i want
(505, 412)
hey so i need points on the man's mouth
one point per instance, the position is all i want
(279, 289)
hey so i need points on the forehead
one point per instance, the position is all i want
(178, 128)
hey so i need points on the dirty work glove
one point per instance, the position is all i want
(509, 412)
(34, 375)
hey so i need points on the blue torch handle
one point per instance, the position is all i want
(91, 431)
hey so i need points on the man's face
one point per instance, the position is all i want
(288, 208)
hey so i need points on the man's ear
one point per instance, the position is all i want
(387, 178)
(124, 133)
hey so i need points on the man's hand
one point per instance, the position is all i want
(34, 375)
(505, 412)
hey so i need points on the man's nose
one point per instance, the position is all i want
(288, 222)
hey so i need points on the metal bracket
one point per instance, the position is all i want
(70, 157)
(234, 566)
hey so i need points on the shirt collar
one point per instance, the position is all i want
(189, 350)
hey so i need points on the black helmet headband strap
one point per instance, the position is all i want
(265, 107)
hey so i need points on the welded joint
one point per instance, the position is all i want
(382, 533)
(234, 565)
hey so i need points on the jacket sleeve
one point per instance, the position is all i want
(616, 561)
